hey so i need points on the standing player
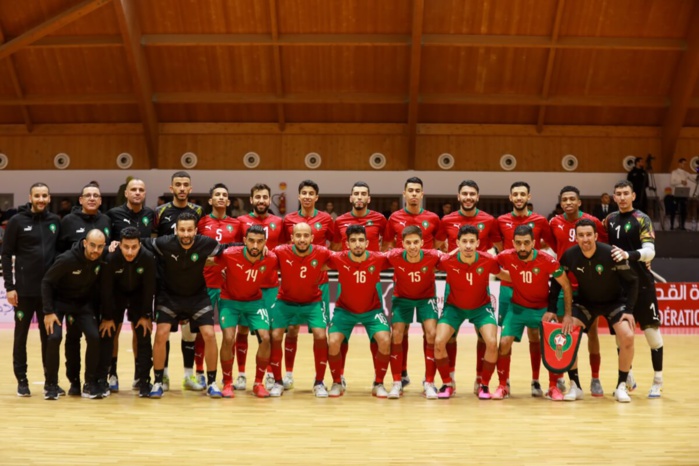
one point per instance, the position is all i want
(260, 198)
(468, 299)
(358, 303)
(489, 236)
(323, 228)
(563, 227)
(520, 196)
(632, 236)
(241, 296)
(529, 270)
(300, 300)
(605, 288)
(30, 237)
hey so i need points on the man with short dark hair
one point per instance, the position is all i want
(638, 176)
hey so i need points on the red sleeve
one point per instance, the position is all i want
(441, 234)
(547, 234)
(330, 232)
(494, 267)
(389, 234)
(602, 235)
(494, 235)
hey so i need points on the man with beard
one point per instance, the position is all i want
(260, 198)
(31, 237)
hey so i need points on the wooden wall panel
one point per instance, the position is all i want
(604, 116)
(66, 114)
(430, 113)
(10, 115)
(6, 88)
(18, 17)
(183, 113)
(345, 113)
(692, 118)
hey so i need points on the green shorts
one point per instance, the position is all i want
(344, 322)
(324, 305)
(284, 312)
(520, 317)
(214, 296)
(504, 301)
(255, 314)
(404, 309)
(454, 317)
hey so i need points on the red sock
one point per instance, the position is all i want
(344, 347)
(443, 368)
(227, 369)
(553, 379)
(290, 346)
(396, 360)
(406, 345)
(261, 366)
(535, 357)
(241, 350)
(503, 366)
(595, 361)
(320, 355)
(430, 366)
(480, 355)
(488, 369)
(451, 354)
(275, 360)
(199, 351)
(381, 366)
(374, 348)
(335, 362)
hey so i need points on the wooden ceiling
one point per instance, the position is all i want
(529, 62)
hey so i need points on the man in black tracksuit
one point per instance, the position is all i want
(69, 290)
(31, 237)
(128, 283)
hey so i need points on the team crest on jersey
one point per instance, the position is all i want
(371, 269)
(535, 270)
(425, 224)
(531, 224)
(627, 227)
(229, 228)
(106, 231)
(139, 270)
(479, 270)
(599, 269)
(145, 221)
(194, 257)
(369, 223)
(318, 225)
(97, 270)
(314, 263)
(424, 269)
(19, 315)
(52, 227)
(481, 226)
(273, 226)
(263, 268)
(70, 320)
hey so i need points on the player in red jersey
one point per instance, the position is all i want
(373, 222)
(468, 277)
(359, 302)
(323, 229)
(247, 269)
(520, 195)
(563, 229)
(224, 229)
(488, 237)
(299, 300)
(260, 198)
(529, 270)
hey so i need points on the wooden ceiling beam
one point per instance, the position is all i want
(17, 86)
(414, 83)
(684, 84)
(277, 62)
(552, 101)
(305, 98)
(138, 67)
(47, 27)
(550, 62)
(69, 99)
(78, 42)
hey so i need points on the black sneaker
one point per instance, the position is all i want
(61, 392)
(92, 391)
(51, 392)
(74, 389)
(104, 386)
(144, 389)
(23, 388)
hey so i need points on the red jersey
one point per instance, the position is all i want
(321, 223)
(273, 226)
(224, 230)
(358, 281)
(530, 279)
(413, 280)
(564, 231)
(373, 222)
(468, 284)
(507, 224)
(244, 279)
(426, 220)
(488, 230)
(301, 275)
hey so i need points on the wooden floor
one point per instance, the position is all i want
(188, 428)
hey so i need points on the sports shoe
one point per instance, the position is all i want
(288, 382)
(344, 382)
(92, 391)
(431, 391)
(23, 388)
(166, 383)
(575, 393)
(596, 388)
(320, 391)
(269, 380)
(74, 389)
(228, 391)
(103, 385)
(156, 391)
(191, 383)
(51, 392)
(336, 390)
(405, 379)
(621, 394)
(61, 392)
(484, 393)
(656, 389)
(561, 384)
(554, 394)
(445, 392)
(630, 382)
(500, 393)
(259, 390)
(476, 385)
(144, 390)
(136, 384)
(379, 391)
(212, 391)
(201, 379)
(396, 391)
(113, 381)
(277, 390)
(240, 383)
(536, 389)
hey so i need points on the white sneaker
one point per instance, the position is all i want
(396, 391)
(277, 390)
(240, 383)
(136, 384)
(320, 391)
(621, 395)
(336, 390)
(190, 383)
(596, 388)
(269, 381)
(430, 391)
(166, 383)
(476, 385)
(656, 389)
(379, 391)
(561, 383)
(575, 393)
(288, 382)
(344, 382)
(536, 389)
(630, 382)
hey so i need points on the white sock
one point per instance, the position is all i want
(289, 374)
(188, 372)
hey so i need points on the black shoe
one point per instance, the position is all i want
(23, 388)
(92, 391)
(61, 392)
(51, 392)
(74, 389)
(144, 389)
(103, 385)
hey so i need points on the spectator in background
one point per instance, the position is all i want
(446, 209)
(394, 207)
(558, 210)
(237, 207)
(605, 207)
(162, 200)
(65, 206)
(681, 188)
(330, 209)
(638, 176)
